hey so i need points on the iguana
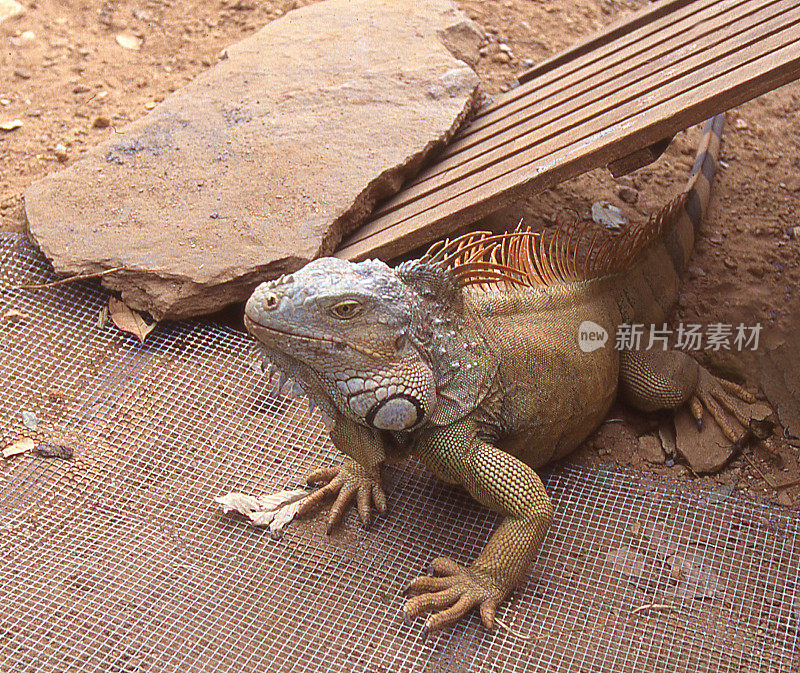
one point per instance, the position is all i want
(468, 359)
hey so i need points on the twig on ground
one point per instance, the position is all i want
(656, 606)
(62, 281)
(774, 485)
(753, 464)
(514, 632)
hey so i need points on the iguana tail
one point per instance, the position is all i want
(641, 268)
(648, 290)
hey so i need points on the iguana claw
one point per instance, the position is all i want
(717, 396)
(452, 594)
(347, 481)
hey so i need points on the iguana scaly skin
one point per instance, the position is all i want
(468, 359)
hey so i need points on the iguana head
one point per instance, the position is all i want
(385, 347)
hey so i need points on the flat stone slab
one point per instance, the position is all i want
(708, 450)
(265, 161)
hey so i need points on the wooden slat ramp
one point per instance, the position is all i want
(629, 87)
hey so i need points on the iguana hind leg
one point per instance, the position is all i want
(504, 484)
(654, 380)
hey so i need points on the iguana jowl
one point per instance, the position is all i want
(468, 359)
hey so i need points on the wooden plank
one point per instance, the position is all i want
(615, 85)
(644, 18)
(617, 95)
(635, 160)
(762, 68)
(676, 40)
(691, 14)
(597, 122)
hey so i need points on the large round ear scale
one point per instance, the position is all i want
(398, 412)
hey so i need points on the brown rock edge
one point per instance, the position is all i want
(265, 161)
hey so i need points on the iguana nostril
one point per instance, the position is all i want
(271, 301)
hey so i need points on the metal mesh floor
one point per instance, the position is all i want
(118, 560)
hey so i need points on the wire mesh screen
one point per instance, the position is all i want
(118, 560)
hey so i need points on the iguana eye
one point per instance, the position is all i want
(344, 310)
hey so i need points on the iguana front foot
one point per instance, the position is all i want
(451, 594)
(348, 481)
(717, 396)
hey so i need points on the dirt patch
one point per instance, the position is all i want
(72, 84)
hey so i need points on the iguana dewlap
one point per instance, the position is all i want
(468, 359)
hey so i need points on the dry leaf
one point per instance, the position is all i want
(129, 320)
(284, 516)
(12, 314)
(276, 510)
(20, 446)
(239, 502)
(129, 41)
(282, 498)
(102, 317)
(10, 124)
(666, 433)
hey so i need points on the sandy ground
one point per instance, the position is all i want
(70, 82)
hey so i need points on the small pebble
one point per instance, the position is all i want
(22, 74)
(29, 420)
(731, 264)
(127, 41)
(10, 124)
(10, 9)
(501, 57)
(796, 233)
(60, 152)
(756, 271)
(50, 450)
(27, 39)
(609, 215)
(793, 183)
(80, 88)
(628, 194)
(101, 122)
